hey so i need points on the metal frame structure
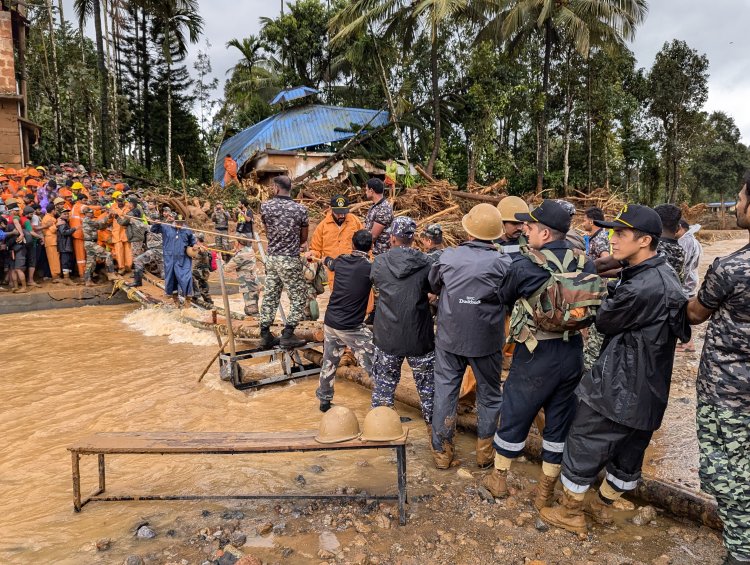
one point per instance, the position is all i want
(291, 363)
(89, 446)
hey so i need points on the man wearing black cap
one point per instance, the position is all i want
(623, 397)
(546, 365)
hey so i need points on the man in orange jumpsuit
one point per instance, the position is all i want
(76, 222)
(49, 229)
(123, 254)
(333, 236)
(230, 171)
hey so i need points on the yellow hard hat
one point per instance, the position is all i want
(483, 222)
(116, 194)
(76, 186)
(510, 206)
(337, 425)
(382, 424)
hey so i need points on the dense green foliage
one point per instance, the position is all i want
(537, 91)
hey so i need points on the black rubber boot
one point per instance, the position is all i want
(325, 405)
(289, 340)
(137, 278)
(267, 339)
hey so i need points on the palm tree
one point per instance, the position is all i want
(405, 19)
(253, 73)
(85, 9)
(175, 23)
(606, 24)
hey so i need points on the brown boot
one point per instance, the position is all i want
(443, 459)
(485, 452)
(66, 280)
(545, 492)
(568, 516)
(600, 511)
(497, 483)
(188, 302)
(56, 280)
(251, 309)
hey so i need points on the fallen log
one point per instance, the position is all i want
(250, 329)
(478, 197)
(665, 494)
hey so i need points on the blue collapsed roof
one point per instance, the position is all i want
(297, 128)
(289, 94)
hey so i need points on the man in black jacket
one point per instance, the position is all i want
(546, 366)
(403, 321)
(623, 397)
(344, 325)
(470, 324)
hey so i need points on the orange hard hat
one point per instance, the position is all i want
(120, 186)
(33, 172)
(32, 182)
(65, 192)
(10, 171)
(106, 184)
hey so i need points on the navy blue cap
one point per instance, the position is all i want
(549, 213)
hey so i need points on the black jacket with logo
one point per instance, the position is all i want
(348, 303)
(641, 319)
(470, 315)
(403, 321)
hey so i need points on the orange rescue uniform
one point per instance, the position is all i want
(49, 229)
(79, 250)
(230, 171)
(123, 253)
(331, 240)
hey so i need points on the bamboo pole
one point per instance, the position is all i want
(214, 358)
(225, 299)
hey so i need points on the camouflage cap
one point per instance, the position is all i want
(569, 207)
(433, 230)
(403, 227)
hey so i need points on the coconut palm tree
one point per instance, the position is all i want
(406, 20)
(176, 22)
(584, 24)
(254, 72)
(86, 9)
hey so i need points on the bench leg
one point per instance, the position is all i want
(76, 481)
(401, 464)
(101, 473)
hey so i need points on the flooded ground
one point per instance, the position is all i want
(73, 372)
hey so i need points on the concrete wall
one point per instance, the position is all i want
(10, 140)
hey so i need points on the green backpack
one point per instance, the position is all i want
(566, 303)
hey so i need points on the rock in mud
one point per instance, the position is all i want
(383, 522)
(464, 474)
(327, 541)
(233, 515)
(237, 539)
(133, 560)
(145, 532)
(662, 560)
(300, 480)
(264, 529)
(645, 516)
(227, 559)
(103, 544)
(316, 469)
(541, 525)
(485, 495)
(249, 560)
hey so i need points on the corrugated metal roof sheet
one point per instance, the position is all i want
(295, 93)
(295, 128)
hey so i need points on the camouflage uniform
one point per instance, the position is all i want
(201, 271)
(381, 213)
(434, 255)
(153, 254)
(243, 263)
(386, 373)
(95, 251)
(723, 386)
(220, 218)
(598, 245)
(335, 343)
(284, 220)
(675, 255)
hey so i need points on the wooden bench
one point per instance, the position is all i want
(167, 443)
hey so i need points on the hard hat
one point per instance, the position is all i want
(510, 206)
(58, 200)
(116, 194)
(192, 252)
(77, 186)
(65, 192)
(336, 425)
(382, 424)
(106, 184)
(483, 222)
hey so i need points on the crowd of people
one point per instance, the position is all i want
(574, 330)
(588, 322)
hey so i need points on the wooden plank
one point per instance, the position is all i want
(215, 442)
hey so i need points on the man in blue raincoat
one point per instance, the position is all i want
(178, 266)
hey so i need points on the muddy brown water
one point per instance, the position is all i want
(117, 368)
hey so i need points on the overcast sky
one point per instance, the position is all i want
(715, 28)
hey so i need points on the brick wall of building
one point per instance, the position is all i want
(10, 141)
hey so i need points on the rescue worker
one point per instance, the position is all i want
(94, 251)
(64, 245)
(693, 254)
(623, 398)
(287, 230)
(202, 269)
(723, 387)
(122, 251)
(546, 366)
(230, 171)
(379, 216)
(333, 235)
(469, 332)
(597, 244)
(243, 264)
(510, 241)
(178, 267)
(220, 218)
(432, 241)
(403, 322)
(49, 229)
(134, 222)
(669, 247)
(245, 220)
(573, 236)
(343, 325)
(76, 222)
(391, 173)
(154, 254)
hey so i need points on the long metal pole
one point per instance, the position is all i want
(227, 311)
